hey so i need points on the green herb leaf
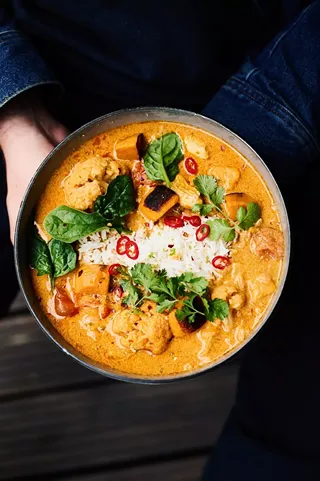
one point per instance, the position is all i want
(188, 282)
(203, 209)
(40, 256)
(119, 200)
(133, 294)
(144, 275)
(166, 304)
(69, 225)
(216, 309)
(162, 158)
(220, 229)
(248, 217)
(207, 185)
(63, 256)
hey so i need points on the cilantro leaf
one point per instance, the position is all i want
(166, 304)
(216, 309)
(220, 229)
(196, 208)
(207, 185)
(188, 282)
(144, 275)
(133, 294)
(249, 216)
(219, 196)
(203, 209)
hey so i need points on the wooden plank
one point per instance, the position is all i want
(29, 361)
(178, 470)
(112, 423)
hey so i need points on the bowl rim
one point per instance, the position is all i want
(104, 369)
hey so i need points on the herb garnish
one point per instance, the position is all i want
(224, 228)
(162, 158)
(142, 282)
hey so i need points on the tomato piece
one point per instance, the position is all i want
(220, 262)
(191, 166)
(117, 292)
(173, 221)
(114, 269)
(63, 305)
(202, 232)
(194, 220)
(132, 250)
(121, 246)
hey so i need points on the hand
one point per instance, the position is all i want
(27, 134)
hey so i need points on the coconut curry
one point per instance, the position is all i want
(157, 248)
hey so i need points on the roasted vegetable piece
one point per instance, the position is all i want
(183, 328)
(91, 284)
(158, 202)
(228, 176)
(232, 203)
(188, 194)
(63, 305)
(267, 243)
(126, 149)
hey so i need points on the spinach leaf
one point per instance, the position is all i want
(68, 225)
(119, 199)
(40, 256)
(162, 158)
(63, 257)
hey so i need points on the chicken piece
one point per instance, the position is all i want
(229, 292)
(228, 176)
(89, 179)
(232, 203)
(158, 202)
(126, 149)
(188, 194)
(195, 147)
(261, 287)
(143, 331)
(183, 328)
(90, 284)
(139, 175)
(267, 243)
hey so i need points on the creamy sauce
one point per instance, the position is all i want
(94, 337)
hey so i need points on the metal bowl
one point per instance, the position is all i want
(55, 159)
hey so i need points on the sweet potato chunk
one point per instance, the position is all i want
(126, 149)
(234, 201)
(91, 284)
(158, 202)
(183, 328)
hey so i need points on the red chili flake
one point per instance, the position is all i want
(223, 148)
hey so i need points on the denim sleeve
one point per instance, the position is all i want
(21, 67)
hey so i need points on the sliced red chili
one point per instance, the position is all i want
(193, 220)
(121, 246)
(132, 250)
(191, 166)
(202, 232)
(117, 291)
(114, 269)
(220, 262)
(173, 221)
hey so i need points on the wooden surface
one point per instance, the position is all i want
(59, 420)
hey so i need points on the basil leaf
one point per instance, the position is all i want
(251, 217)
(119, 200)
(220, 229)
(63, 257)
(162, 158)
(40, 257)
(69, 225)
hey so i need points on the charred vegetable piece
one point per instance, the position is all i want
(158, 202)
(183, 328)
(63, 304)
(91, 284)
(127, 149)
(234, 201)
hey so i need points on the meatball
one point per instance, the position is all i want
(88, 180)
(267, 243)
(149, 331)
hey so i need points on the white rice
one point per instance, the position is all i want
(185, 253)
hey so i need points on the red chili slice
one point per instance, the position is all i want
(202, 232)
(173, 221)
(121, 246)
(191, 166)
(114, 269)
(194, 220)
(220, 262)
(117, 291)
(132, 250)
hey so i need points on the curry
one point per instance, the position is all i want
(157, 248)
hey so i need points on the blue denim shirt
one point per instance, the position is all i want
(113, 56)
